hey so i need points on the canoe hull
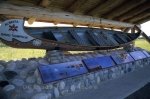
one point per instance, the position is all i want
(13, 33)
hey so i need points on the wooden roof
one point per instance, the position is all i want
(130, 11)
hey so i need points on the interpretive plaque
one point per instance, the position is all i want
(53, 72)
(98, 63)
(146, 53)
(121, 58)
(92, 64)
(137, 55)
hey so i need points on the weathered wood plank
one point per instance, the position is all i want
(89, 5)
(22, 2)
(134, 11)
(58, 16)
(121, 9)
(126, 29)
(140, 16)
(74, 7)
(143, 20)
(44, 3)
(105, 7)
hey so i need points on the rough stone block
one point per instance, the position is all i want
(72, 88)
(62, 85)
(37, 88)
(18, 82)
(8, 88)
(40, 96)
(56, 92)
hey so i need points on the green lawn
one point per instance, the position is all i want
(143, 44)
(8, 53)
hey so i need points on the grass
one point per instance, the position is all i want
(8, 53)
(143, 44)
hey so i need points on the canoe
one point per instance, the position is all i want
(15, 34)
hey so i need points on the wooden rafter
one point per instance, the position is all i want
(134, 11)
(44, 3)
(105, 7)
(143, 34)
(126, 29)
(140, 16)
(121, 9)
(3, 18)
(143, 20)
(88, 5)
(88, 12)
(74, 7)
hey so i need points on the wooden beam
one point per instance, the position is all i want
(3, 18)
(74, 7)
(88, 5)
(121, 9)
(126, 29)
(143, 34)
(94, 7)
(105, 7)
(133, 30)
(44, 3)
(143, 20)
(134, 11)
(146, 37)
(23, 2)
(139, 16)
(59, 17)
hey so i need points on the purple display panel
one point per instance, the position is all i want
(146, 53)
(92, 64)
(137, 55)
(99, 62)
(54, 72)
(121, 58)
(106, 61)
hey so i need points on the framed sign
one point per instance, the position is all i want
(146, 53)
(137, 55)
(99, 63)
(106, 61)
(54, 72)
(92, 64)
(121, 58)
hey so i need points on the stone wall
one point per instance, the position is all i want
(21, 79)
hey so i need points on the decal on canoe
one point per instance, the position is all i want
(13, 29)
(37, 42)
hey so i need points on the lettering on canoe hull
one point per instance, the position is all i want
(13, 29)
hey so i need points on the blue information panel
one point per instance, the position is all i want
(92, 64)
(121, 58)
(98, 62)
(138, 55)
(53, 72)
(146, 53)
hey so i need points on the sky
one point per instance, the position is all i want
(146, 27)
